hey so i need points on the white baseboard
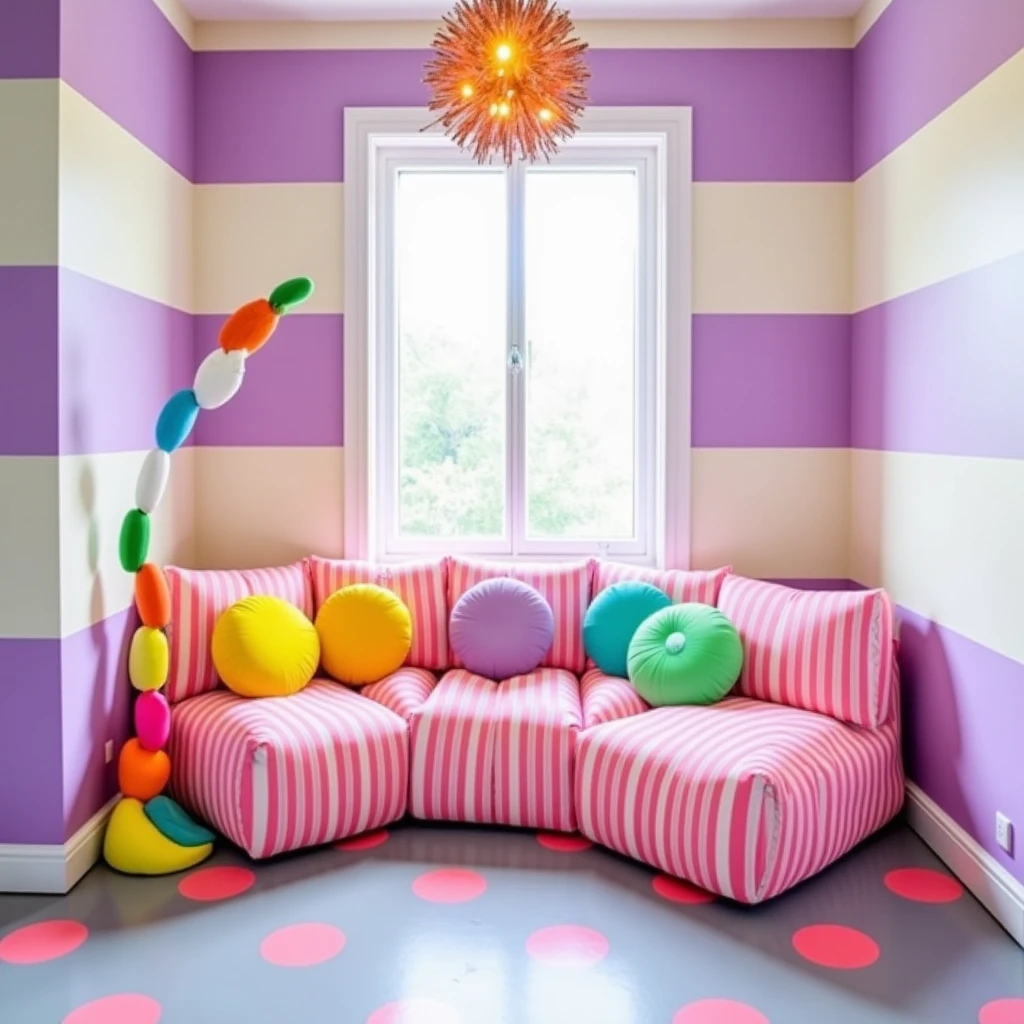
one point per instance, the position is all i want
(992, 885)
(54, 869)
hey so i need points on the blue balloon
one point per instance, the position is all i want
(175, 824)
(176, 421)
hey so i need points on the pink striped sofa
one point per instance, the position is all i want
(745, 798)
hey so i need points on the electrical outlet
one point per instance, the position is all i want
(1004, 832)
(108, 751)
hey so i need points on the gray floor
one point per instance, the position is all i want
(644, 960)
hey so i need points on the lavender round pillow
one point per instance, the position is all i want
(501, 628)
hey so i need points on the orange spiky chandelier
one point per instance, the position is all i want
(508, 77)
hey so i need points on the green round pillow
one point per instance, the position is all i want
(685, 654)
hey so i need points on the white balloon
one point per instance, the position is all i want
(219, 377)
(152, 482)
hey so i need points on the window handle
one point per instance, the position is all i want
(515, 360)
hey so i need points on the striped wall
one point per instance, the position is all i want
(937, 383)
(95, 276)
(773, 232)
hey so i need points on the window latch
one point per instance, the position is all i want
(515, 360)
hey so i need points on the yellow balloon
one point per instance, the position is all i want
(135, 846)
(148, 659)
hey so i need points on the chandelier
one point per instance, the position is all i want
(507, 77)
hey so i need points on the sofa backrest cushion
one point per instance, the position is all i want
(199, 596)
(682, 585)
(421, 587)
(824, 651)
(564, 585)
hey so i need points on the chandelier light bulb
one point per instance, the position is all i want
(504, 53)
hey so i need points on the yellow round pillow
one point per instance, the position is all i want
(365, 633)
(265, 647)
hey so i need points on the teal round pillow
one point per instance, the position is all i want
(614, 617)
(685, 654)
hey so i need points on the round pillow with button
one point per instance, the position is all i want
(685, 654)
(501, 628)
(365, 633)
(612, 619)
(265, 647)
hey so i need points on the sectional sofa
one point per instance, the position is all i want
(745, 798)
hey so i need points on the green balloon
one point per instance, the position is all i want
(134, 544)
(290, 294)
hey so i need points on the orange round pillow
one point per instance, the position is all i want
(142, 773)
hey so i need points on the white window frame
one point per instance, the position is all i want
(658, 142)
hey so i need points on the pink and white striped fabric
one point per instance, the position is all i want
(199, 596)
(824, 651)
(743, 798)
(282, 773)
(608, 698)
(566, 587)
(451, 750)
(403, 692)
(420, 585)
(537, 719)
(682, 585)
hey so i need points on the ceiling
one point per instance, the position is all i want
(379, 10)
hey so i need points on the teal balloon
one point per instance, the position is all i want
(612, 619)
(175, 824)
(290, 294)
(686, 654)
(176, 420)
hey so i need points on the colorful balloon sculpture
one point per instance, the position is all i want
(148, 833)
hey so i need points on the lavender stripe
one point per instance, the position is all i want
(30, 742)
(939, 370)
(919, 58)
(759, 115)
(30, 38)
(819, 584)
(95, 707)
(29, 414)
(121, 357)
(963, 705)
(126, 58)
(293, 389)
(771, 381)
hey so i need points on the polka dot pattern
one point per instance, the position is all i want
(719, 1011)
(922, 885)
(1002, 1011)
(450, 885)
(415, 1011)
(567, 945)
(127, 1008)
(562, 842)
(211, 884)
(46, 940)
(836, 946)
(302, 945)
(367, 841)
(675, 890)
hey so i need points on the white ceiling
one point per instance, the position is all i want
(364, 10)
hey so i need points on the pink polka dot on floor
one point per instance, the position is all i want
(302, 945)
(126, 1008)
(567, 945)
(45, 940)
(836, 946)
(449, 885)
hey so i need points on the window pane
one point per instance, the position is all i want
(581, 422)
(450, 279)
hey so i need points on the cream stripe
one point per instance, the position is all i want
(772, 512)
(125, 215)
(267, 506)
(943, 534)
(95, 493)
(759, 248)
(29, 556)
(869, 13)
(949, 199)
(29, 113)
(174, 11)
(833, 33)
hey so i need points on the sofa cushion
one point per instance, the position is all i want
(608, 698)
(403, 692)
(824, 651)
(283, 773)
(565, 587)
(682, 585)
(420, 585)
(743, 798)
(199, 596)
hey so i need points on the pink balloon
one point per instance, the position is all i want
(152, 720)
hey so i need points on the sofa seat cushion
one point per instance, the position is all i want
(282, 773)
(608, 698)
(498, 753)
(402, 692)
(743, 798)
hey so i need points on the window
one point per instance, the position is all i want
(510, 343)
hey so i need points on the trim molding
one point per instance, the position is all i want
(55, 869)
(992, 885)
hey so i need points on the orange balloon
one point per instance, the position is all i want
(249, 327)
(142, 773)
(152, 596)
